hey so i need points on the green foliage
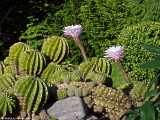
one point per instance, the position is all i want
(100, 67)
(32, 62)
(7, 104)
(103, 20)
(152, 10)
(133, 37)
(55, 48)
(36, 93)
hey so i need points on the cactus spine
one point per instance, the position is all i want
(36, 93)
(55, 48)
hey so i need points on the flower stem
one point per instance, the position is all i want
(78, 43)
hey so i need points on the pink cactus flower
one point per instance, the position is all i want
(114, 53)
(73, 31)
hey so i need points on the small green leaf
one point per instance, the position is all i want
(151, 64)
(152, 49)
(147, 111)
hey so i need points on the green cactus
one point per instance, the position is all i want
(2, 68)
(62, 93)
(12, 61)
(32, 62)
(95, 65)
(99, 97)
(55, 48)
(7, 104)
(54, 74)
(115, 102)
(7, 82)
(35, 91)
(138, 92)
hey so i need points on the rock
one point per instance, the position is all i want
(92, 117)
(70, 108)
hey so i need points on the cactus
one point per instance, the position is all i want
(35, 91)
(7, 104)
(118, 77)
(55, 48)
(115, 102)
(7, 82)
(32, 62)
(101, 98)
(97, 65)
(138, 92)
(62, 93)
(54, 74)
(2, 68)
(12, 61)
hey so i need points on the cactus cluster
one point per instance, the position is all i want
(36, 93)
(112, 102)
(55, 48)
(97, 66)
(54, 74)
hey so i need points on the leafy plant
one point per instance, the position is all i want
(133, 37)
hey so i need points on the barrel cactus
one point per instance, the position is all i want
(34, 90)
(7, 104)
(2, 68)
(54, 74)
(32, 62)
(12, 61)
(55, 48)
(7, 82)
(95, 65)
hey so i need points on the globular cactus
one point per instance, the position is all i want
(34, 90)
(54, 74)
(80, 89)
(12, 61)
(62, 93)
(7, 104)
(115, 102)
(97, 65)
(7, 82)
(55, 48)
(138, 92)
(32, 62)
(2, 66)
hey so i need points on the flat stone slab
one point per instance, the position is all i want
(70, 108)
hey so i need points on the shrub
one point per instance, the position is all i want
(133, 37)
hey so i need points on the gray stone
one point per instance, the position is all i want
(92, 117)
(70, 108)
